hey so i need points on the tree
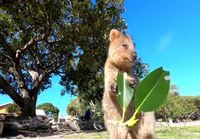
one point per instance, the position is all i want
(14, 109)
(177, 107)
(171, 108)
(190, 106)
(87, 73)
(197, 102)
(32, 40)
(40, 39)
(76, 108)
(196, 115)
(49, 109)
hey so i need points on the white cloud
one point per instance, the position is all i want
(164, 42)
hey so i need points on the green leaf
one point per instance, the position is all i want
(125, 92)
(152, 91)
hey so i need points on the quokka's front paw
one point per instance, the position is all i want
(133, 82)
(114, 88)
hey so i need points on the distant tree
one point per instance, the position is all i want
(79, 109)
(14, 109)
(196, 115)
(72, 107)
(177, 107)
(49, 109)
(197, 102)
(40, 39)
(76, 108)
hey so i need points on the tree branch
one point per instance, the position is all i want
(29, 44)
(4, 55)
(10, 56)
(17, 70)
(56, 65)
(7, 88)
(5, 63)
(38, 78)
(19, 52)
(37, 84)
(26, 46)
(35, 76)
(40, 37)
(36, 58)
(3, 66)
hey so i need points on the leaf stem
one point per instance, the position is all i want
(123, 115)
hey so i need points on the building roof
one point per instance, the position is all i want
(2, 106)
(40, 112)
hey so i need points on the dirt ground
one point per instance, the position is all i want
(67, 135)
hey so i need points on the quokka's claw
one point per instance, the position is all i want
(133, 82)
(114, 88)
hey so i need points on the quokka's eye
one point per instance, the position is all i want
(125, 45)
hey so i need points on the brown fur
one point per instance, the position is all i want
(121, 57)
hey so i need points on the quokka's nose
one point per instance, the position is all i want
(134, 55)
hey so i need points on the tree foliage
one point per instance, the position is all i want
(87, 74)
(14, 109)
(197, 102)
(178, 107)
(76, 108)
(140, 69)
(49, 109)
(39, 39)
(79, 109)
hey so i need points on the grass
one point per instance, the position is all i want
(192, 132)
(99, 135)
(178, 132)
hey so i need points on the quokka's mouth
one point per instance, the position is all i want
(129, 60)
(134, 56)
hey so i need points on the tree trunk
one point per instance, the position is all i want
(29, 105)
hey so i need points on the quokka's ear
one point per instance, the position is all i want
(114, 34)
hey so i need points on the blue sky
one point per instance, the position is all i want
(166, 33)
